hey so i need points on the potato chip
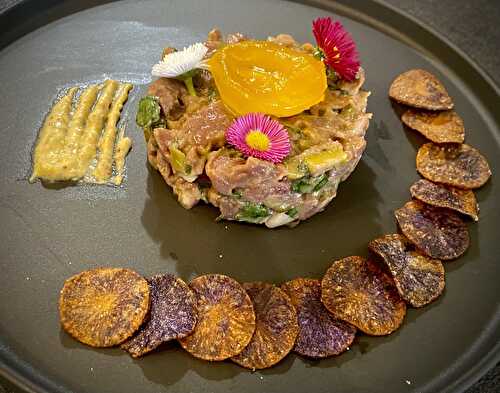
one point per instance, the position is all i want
(172, 315)
(226, 318)
(320, 333)
(437, 232)
(419, 279)
(103, 307)
(276, 327)
(462, 201)
(358, 291)
(439, 127)
(456, 165)
(420, 89)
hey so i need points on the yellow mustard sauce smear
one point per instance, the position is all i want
(93, 129)
(75, 129)
(122, 148)
(104, 166)
(51, 139)
(82, 144)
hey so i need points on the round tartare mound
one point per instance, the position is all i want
(187, 146)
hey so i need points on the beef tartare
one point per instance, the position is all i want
(186, 126)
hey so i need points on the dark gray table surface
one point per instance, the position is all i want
(473, 27)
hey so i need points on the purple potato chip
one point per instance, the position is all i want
(172, 315)
(419, 279)
(437, 232)
(462, 201)
(320, 333)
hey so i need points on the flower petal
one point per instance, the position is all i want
(177, 63)
(338, 47)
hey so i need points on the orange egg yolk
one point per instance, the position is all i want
(265, 77)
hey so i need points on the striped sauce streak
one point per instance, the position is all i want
(83, 144)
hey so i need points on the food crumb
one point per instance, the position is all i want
(91, 369)
(221, 256)
(408, 382)
(28, 278)
(226, 227)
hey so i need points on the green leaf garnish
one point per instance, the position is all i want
(308, 184)
(148, 112)
(253, 213)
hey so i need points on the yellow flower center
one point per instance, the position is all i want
(257, 140)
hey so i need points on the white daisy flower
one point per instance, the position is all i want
(178, 63)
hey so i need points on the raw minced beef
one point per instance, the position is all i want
(190, 151)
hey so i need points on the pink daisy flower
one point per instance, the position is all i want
(257, 135)
(336, 47)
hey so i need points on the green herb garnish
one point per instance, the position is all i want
(292, 212)
(253, 212)
(148, 113)
(321, 183)
(308, 184)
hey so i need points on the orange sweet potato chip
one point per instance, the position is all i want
(439, 127)
(456, 165)
(358, 291)
(276, 327)
(420, 89)
(226, 318)
(103, 307)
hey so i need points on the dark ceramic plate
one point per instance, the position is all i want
(50, 233)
